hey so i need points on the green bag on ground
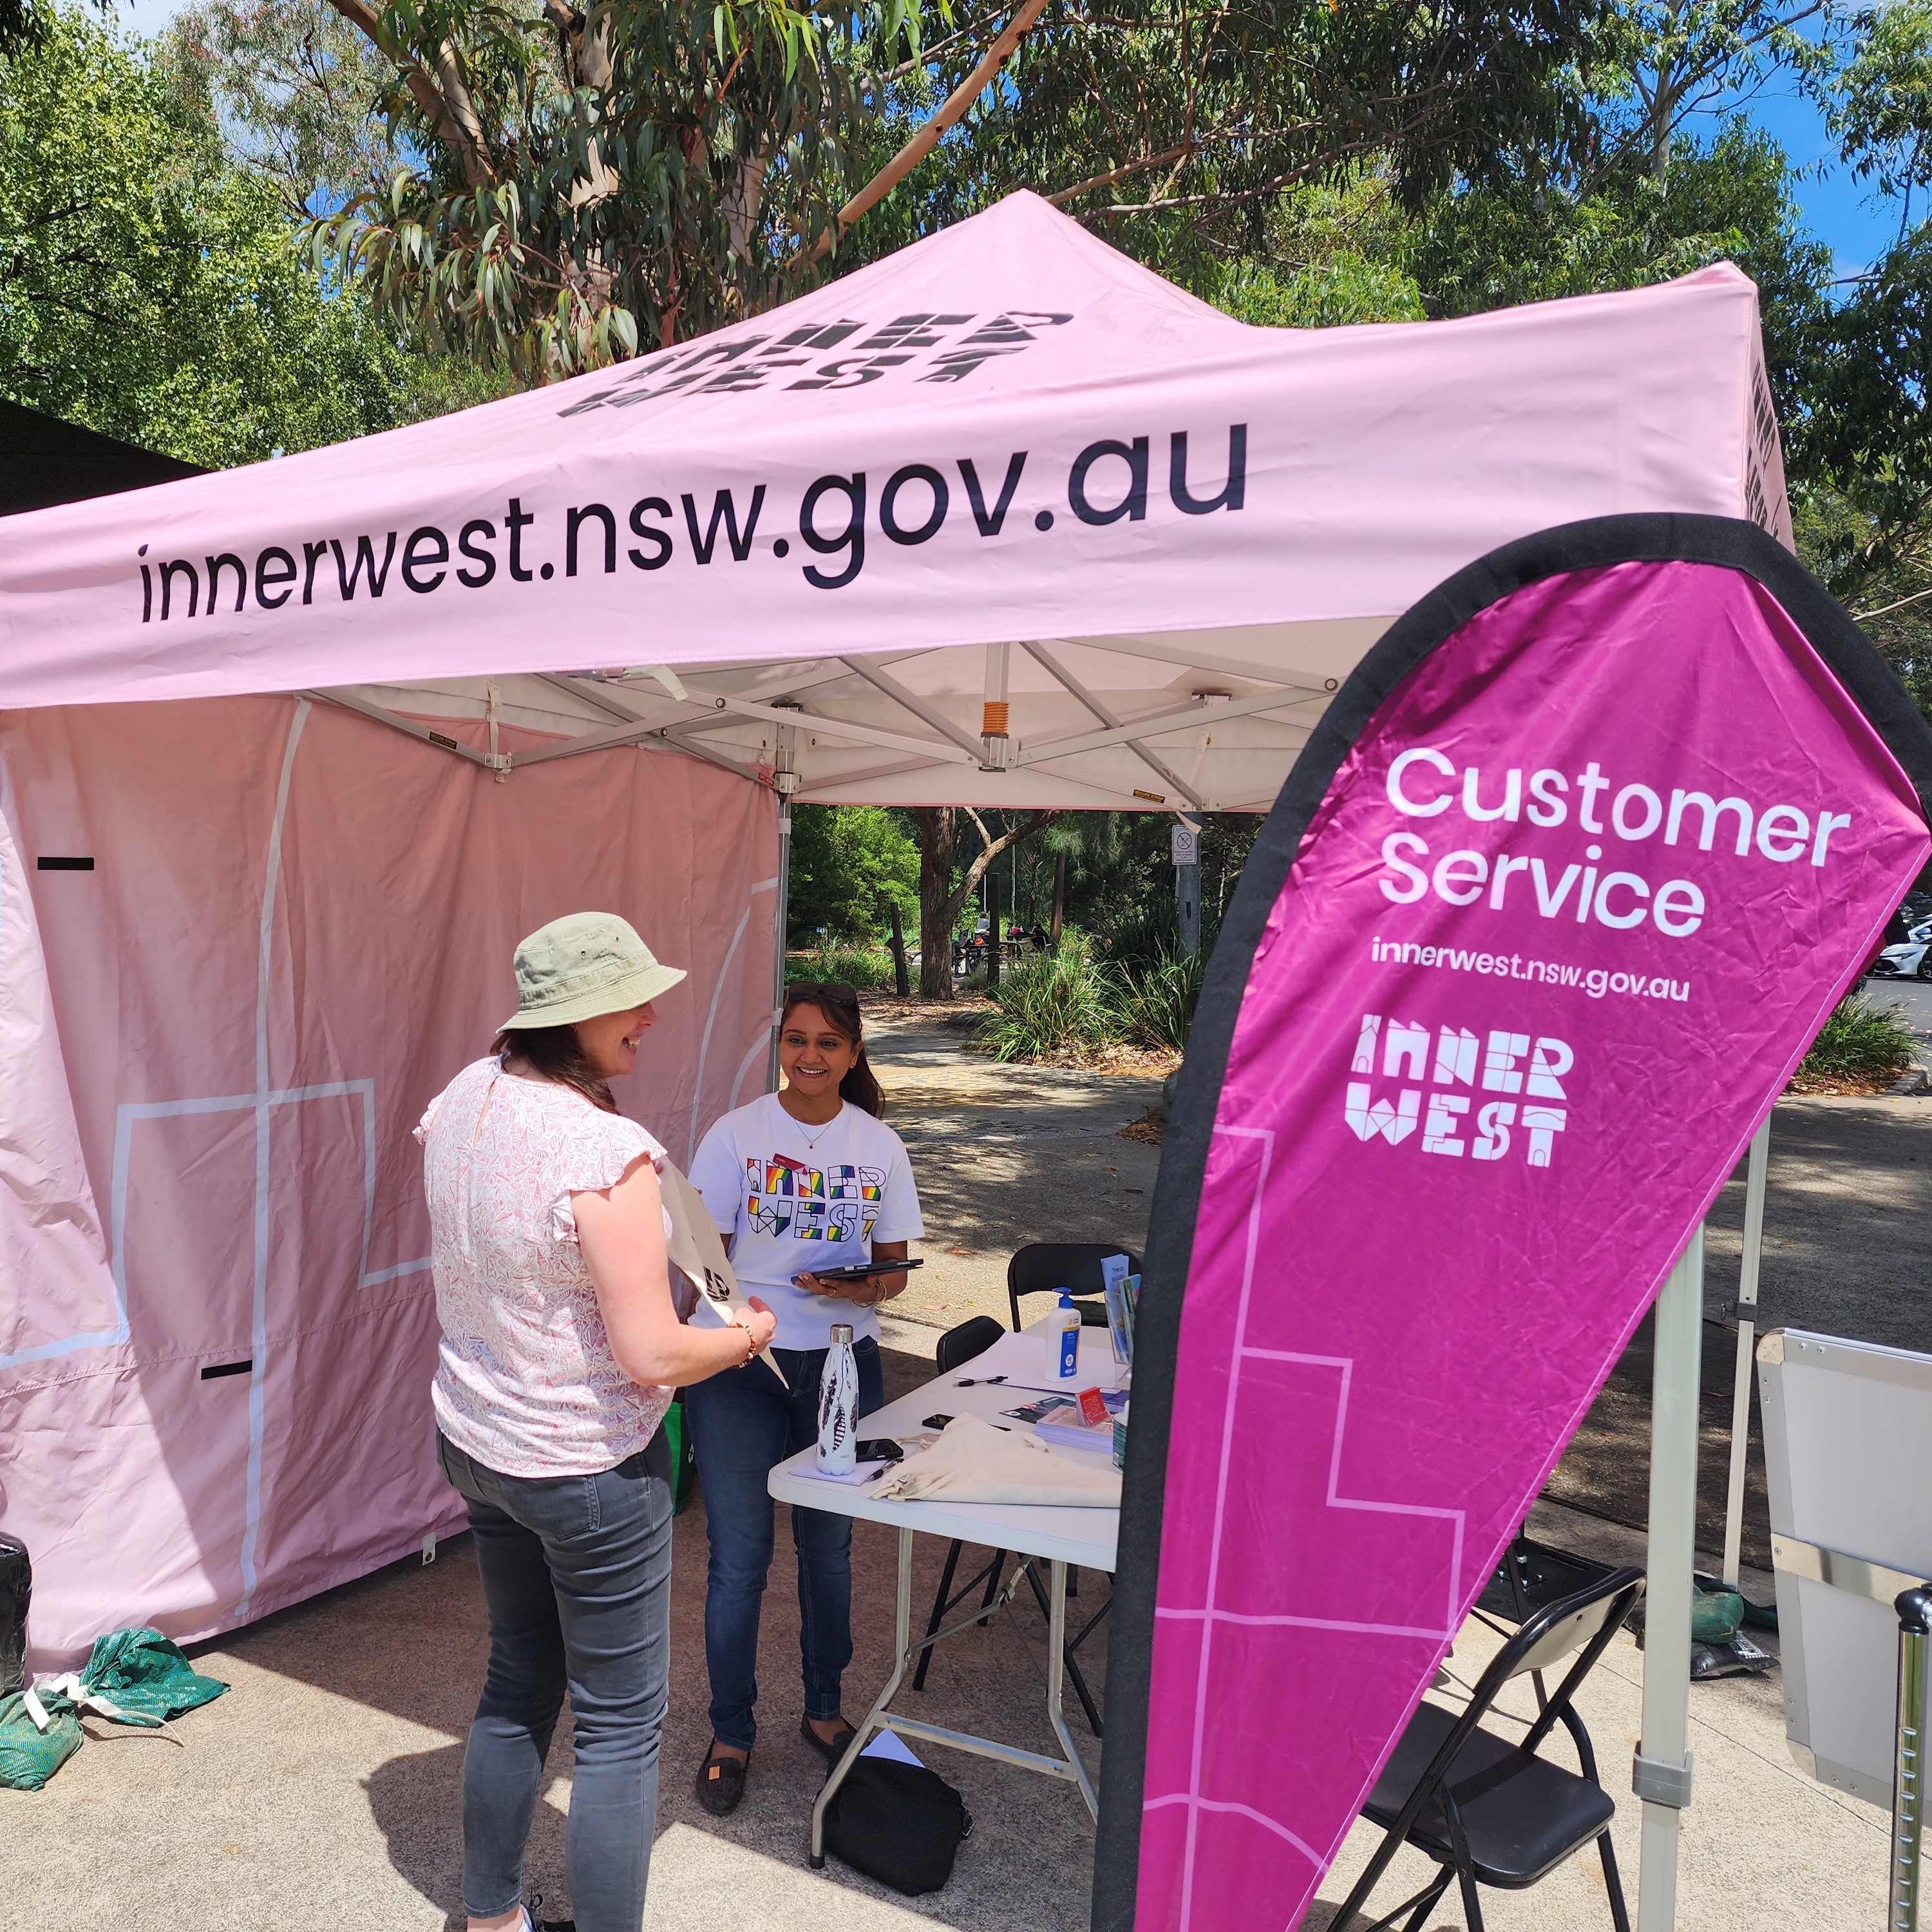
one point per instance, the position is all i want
(683, 1462)
(146, 1677)
(29, 1756)
(1715, 1615)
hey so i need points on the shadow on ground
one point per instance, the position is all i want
(410, 1642)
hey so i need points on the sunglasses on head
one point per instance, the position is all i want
(800, 990)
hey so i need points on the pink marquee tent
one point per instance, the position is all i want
(1003, 519)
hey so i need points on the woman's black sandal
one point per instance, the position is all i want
(833, 1752)
(721, 1784)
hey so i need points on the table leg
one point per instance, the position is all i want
(901, 1655)
(1056, 1670)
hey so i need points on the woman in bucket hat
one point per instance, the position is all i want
(561, 1346)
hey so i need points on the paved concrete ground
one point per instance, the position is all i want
(1004, 1155)
(324, 1787)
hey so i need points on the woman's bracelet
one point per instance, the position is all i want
(750, 1346)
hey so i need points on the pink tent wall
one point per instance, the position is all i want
(213, 1047)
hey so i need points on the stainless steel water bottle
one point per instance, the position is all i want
(839, 1404)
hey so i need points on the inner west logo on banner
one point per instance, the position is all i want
(1497, 1122)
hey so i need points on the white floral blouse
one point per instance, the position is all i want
(526, 1382)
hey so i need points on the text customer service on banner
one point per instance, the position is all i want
(1588, 849)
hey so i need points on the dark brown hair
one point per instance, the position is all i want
(558, 1055)
(840, 1005)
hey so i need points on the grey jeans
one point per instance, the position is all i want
(576, 1574)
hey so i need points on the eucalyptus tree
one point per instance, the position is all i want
(568, 187)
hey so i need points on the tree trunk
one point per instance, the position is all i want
(939, 908)
(901, 983)
(937, 833)
(1059, 895)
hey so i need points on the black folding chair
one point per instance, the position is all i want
(957, 1347)
(1045, 1268)
(1490, 1811)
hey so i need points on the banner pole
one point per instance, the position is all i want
(1740, 1389)
(1661, 1774)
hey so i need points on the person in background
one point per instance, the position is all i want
(561, 1345)
(806, 1178)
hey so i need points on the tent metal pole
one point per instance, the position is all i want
(1660, 1776)
(785, 782)
(1740, 1391)
(781, 911)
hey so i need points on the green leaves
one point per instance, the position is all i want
(153, 290)
(632, 176)
(848, 862)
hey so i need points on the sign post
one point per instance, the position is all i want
(1185, 843)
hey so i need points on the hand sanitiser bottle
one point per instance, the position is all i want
(1062, 1342)
(838, 1405)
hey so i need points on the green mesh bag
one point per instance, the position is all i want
(1715, 1615)
(145, 1678)
(29, 1756)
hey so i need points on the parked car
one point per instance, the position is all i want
(1910, 959)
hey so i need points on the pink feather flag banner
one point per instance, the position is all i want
(1581, 857)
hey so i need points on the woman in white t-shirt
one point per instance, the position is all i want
(805, 1179)
(561, 1345)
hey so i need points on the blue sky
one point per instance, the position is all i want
(1858, 225)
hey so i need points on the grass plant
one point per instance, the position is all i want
(1063, 1005)
(867, 967)
(1157, 1001)
(1862, 1045)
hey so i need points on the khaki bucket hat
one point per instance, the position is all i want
(587, 964)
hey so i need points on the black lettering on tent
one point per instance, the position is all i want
(168, 569)
(427, 545)
(1133, 504)
(216, 565)
(312, 554)
(347, 575)
(889, 522)
(267, 581)
(574, 520)
(655, 506)
(724, 510)
(852, 537)
(989, 526)
(477, 527)
(1233, 492)
(1012, 327)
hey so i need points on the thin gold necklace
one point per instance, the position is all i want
(810, 1140)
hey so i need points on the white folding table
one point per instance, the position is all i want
(1058, 1537)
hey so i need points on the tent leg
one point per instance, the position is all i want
(1741, 1392)
(781, 912)
(1661, 1776)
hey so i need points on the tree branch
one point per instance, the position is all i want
(922, 144)
(977, 869)
(441, 113)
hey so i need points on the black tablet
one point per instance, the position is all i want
(862, 1271)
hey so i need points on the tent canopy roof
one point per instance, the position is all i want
(1006, 466)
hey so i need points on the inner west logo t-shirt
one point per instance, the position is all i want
(788, 1205)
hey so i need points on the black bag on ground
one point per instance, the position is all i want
(16, 1590)
(898, 1823)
